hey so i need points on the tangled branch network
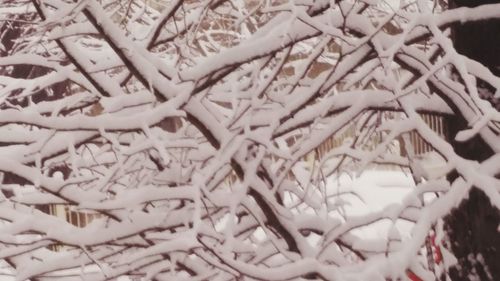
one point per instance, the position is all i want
(208, 140)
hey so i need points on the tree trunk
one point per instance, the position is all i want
(472, 228)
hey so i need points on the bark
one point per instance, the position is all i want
(472, 226)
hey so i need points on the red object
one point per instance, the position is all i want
(438, 256)
(412, 276)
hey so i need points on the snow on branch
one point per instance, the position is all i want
(230, 140)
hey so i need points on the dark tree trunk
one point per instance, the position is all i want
(472, 228)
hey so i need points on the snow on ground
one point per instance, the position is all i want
(376, 189)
